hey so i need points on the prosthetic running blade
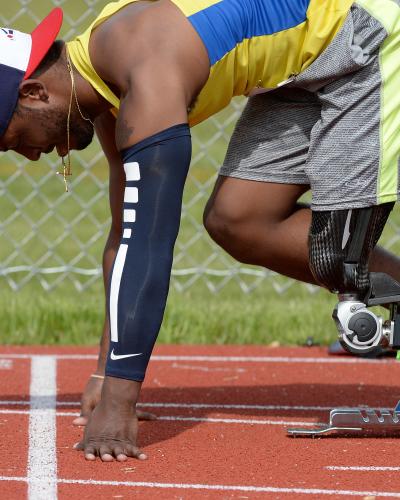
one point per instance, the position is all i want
(355, 421)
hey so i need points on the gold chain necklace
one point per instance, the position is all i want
(71, 72)
(66, 172)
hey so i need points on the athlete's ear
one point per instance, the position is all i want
(33, 89)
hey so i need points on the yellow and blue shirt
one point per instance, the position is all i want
(251, 44)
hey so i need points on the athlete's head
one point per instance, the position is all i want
(35, 96)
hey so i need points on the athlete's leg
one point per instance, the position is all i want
(263, 224)
(254, 212)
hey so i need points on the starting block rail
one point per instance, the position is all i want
(355, 421)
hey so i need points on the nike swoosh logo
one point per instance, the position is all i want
(346, 232)
(116, 357)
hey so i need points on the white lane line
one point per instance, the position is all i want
(22, 402)
(269, 359)
(229, 359)
(216, 406)
(178, 418)
(212, 406)
(55, 355)
(236, 421)
(362, 468)
(15, 412)
(6, 364)
(199, 406)
(208, 368)
(219, 487)
(42, 457)
(246, 421)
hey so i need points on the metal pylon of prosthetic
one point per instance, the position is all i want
(361, 331)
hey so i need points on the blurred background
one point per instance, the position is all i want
(51, 243)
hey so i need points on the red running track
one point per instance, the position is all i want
(221, 434)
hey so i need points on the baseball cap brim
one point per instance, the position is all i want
(43, 37)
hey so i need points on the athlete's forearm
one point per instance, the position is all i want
(105, 130)
(110, 251)
(156, 170)
(104, 346)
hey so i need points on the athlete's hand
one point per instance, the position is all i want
(90, 398)
(111, 431)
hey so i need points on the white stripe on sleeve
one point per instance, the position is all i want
(132, 171)
(114, 290)
(129, 215)
(131, 195)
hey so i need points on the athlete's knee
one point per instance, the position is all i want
(341, 242)
(223, 224)
(242, 235)
(232, 232)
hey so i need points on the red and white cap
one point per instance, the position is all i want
(20, 54)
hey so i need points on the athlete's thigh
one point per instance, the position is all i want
(246, 201)
(263, 175)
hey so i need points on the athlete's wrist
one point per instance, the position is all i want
(102, 359)
(120, 391)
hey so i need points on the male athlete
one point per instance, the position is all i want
(323, 113)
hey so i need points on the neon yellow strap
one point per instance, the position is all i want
(387, 12)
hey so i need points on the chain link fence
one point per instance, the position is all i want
(50, 237)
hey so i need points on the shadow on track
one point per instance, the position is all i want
(281, 396)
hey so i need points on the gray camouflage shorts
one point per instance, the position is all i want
(336, 126)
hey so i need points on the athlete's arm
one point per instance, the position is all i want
(156, 169)
(105, 131)
(157, 75)
(156, 63)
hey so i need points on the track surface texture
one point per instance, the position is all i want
(221, 429)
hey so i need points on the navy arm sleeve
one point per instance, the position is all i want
(156, 170)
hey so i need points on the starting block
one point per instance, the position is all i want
(355, 421)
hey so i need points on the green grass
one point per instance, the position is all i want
(263, 317)
(198, 317)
